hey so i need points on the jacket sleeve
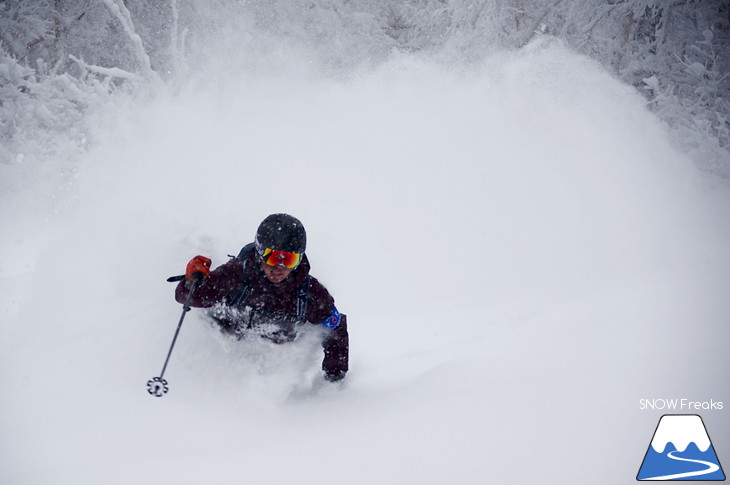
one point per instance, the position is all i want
(321, 304)
(220, 285)
(336, 345)
(336, 340)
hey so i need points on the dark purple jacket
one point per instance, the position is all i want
(267, 301)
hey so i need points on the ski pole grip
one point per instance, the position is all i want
(197, 277)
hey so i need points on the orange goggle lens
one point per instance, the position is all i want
(274, 257)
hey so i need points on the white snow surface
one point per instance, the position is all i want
(680, 430)
(521, 253)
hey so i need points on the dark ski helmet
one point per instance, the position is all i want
(282, 232)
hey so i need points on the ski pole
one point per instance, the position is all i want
(157, 386)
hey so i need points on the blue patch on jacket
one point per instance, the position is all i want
(333, 321)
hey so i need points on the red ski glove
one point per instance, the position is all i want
(198, 267)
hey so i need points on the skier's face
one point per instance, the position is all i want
(275, 274)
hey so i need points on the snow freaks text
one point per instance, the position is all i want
(679, 405)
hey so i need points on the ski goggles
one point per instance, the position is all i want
(274, 257)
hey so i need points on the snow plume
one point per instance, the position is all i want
(521, 252)
(672, 53)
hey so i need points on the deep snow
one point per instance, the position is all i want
(521, 253)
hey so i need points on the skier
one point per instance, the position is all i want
(267, 291)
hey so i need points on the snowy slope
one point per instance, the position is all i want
(521, 253)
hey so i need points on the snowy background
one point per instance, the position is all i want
(526, 241)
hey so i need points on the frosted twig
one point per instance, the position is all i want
(106, 71)
(177, 42)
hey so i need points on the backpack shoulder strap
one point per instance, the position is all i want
(303, 298)
(244, 251)
(245, 288)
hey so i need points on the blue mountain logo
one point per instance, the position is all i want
(681, 450)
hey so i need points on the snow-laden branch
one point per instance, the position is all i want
(106, 71)
(120, 11)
